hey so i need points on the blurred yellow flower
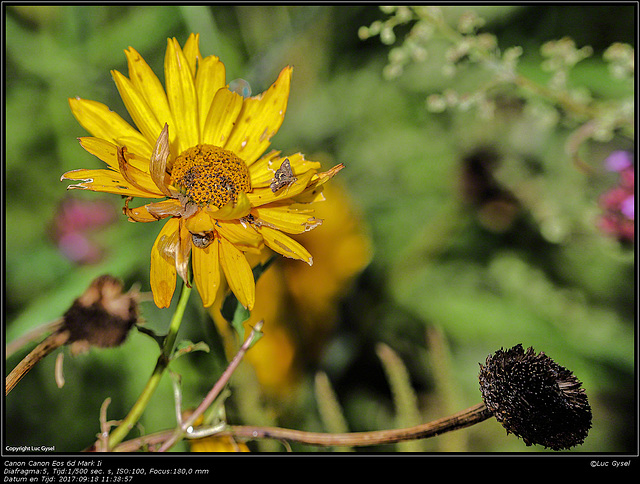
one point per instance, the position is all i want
(217, 444)
(300, 304)
(199, 147)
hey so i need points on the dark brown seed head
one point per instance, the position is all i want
(535, 398)
(103, 315)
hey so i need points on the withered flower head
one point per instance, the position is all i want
(535, 398)
(102, 316)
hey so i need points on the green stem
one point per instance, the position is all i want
(215, 391)
(163, 361)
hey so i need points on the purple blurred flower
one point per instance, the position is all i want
(618, 203)
(619, 160)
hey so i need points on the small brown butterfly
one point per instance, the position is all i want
(283, 176)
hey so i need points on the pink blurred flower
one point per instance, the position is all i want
(74, 226)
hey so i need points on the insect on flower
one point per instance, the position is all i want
(283, 176)
(201, 241)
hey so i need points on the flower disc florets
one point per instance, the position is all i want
(535, 398)
(207, 174)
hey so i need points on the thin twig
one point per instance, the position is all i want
(50, 344)
(34, 334)
(105, 425)
(468, 417)
(214, 392)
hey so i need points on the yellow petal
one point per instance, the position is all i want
(206, 272)
(313, 196)
(313, 192)
(107, 181)
(163, 271)
(136, 178)
(101, 122)
(262, 196)
(153, 212)
(191, 51)
(101, 148)
(242, 236)
(139, 146)
(138, 107)
(108, 152)
(325, 176)
(199, 223)
(263, 170)
(183, 249)
(285, 245)
(136, 160)
(231, 210)
(221, 117)
(165, 208)
(149, 86)
(260, 118)
(158, 161)
(210, 78)
(181, 93)
(287, 219)
(140, 214)
(238, 273)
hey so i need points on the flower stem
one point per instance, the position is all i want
(50, 344)
(32, 335)
(214, 392)
(466, 418)
(163, 361)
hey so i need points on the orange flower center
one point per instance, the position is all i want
(207, 174)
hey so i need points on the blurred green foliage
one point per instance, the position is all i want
(474, 281)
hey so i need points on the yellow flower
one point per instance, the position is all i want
(200, 148)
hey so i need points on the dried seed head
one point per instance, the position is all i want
(103, 315)
(535, 398)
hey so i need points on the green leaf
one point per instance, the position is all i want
(186, 346)
(235, 313)
(260, 268)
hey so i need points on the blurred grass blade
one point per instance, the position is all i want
(329, 407)
(404, 397)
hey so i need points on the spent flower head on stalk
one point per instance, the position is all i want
(101, 317)
(199, 148)
(535, 398)
(529, 394)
